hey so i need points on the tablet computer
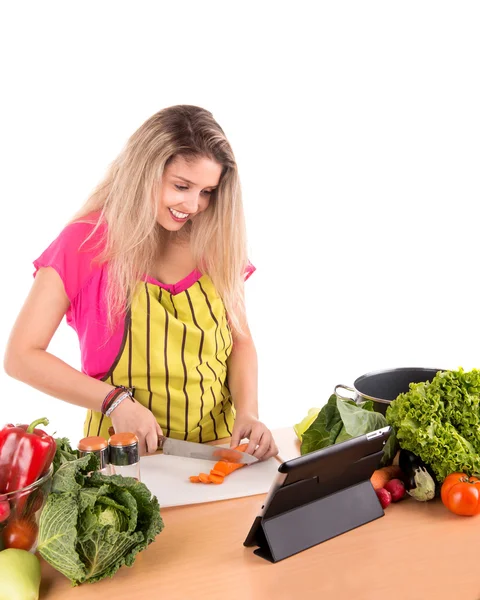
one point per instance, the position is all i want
(322, 474)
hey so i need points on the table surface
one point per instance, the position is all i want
(417, 551)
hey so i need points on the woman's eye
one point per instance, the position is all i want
(207, 192)
(181, 188)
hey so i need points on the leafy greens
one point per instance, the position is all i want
(93, 525)
(439, 421)
(340, 420)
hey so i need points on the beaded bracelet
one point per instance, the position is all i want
(113, 395)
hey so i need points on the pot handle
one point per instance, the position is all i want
(344, 387)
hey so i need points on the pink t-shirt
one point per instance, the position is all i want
(85, 282)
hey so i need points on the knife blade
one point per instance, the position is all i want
(203, 451)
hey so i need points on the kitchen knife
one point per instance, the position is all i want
(204, 451)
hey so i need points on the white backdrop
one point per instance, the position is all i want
(356, 128)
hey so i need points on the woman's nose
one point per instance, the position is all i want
(193, 202)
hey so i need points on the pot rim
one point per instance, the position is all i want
(384, 371)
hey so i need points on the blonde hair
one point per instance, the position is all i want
(126, 200)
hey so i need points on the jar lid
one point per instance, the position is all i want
(92, 443)
(123, 439)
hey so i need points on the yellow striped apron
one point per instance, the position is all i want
(174, 354)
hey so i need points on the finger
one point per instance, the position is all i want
(255, 438)
(272, 451)
(263, 446)
(158, 428)
(235, 441)
(151, 441)
(142, 446)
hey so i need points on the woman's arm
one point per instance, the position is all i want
(242, 370)
(26, 356)
(27, 359)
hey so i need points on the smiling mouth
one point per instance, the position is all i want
(179, 215)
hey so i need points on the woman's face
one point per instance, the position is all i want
(186, 190)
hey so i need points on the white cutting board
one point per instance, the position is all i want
(168, 478)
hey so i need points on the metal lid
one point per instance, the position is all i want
(123, 439)
(92, 443)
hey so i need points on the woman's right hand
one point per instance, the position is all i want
(135, 418)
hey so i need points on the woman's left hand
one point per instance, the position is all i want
(261, 443)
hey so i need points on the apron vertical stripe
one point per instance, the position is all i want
(167, 387)
(200, 361)
(214, 401)
(149, 388)
(182, 357)
(215, 320)
(129, 342)
(89, 423)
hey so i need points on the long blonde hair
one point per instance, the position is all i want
(126, 200)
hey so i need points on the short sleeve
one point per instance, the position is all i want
(73, 261)
(249, 270)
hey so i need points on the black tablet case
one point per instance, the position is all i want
(318, 501)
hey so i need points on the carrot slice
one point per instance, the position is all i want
(204, 478)
(218, 473)
(195, 479)
(216, 478)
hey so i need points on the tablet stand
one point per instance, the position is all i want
(300, 516)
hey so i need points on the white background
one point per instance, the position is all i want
(356, 127)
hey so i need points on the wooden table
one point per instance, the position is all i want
(417, 551)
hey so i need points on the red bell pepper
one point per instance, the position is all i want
(26, 454)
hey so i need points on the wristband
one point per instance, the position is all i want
(113, 395)
(123, 396)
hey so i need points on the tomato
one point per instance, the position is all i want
(461, 494)
(20, 534)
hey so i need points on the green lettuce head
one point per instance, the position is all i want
(92, 526)
(440, 422)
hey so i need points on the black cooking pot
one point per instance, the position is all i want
(384, 386)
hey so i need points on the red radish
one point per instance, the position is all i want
(4, 509)
(384, 496)
(396, 487)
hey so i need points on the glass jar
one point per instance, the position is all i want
(98, 446)
(24, 506)
(124, 455)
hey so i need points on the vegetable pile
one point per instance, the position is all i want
(220, 470)
(439, 421)
(92, 525)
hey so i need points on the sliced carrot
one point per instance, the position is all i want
(216, 478)
(216, 472)
(220, 470)
(227, 467)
